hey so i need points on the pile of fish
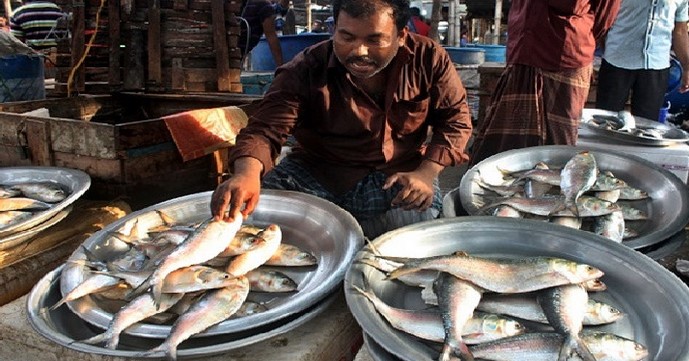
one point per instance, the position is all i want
(19, 202)
(191, 277)
(533, 308)
(625, 122)
(579, 196)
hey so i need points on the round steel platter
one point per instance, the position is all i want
(667, 208)
(22, 236)
(73, 181)
(377, 352)
(653, 299)
(64, 327)
(311, 223)
(671, 135)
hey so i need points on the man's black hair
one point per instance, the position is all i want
(365, 8)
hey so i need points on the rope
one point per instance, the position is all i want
(70, 79)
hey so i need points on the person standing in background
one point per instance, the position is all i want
(540, 95)
(636, 56)
(260, 18)
(36, 24)
(416, 23)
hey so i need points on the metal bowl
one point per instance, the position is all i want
(653, 299)
(75, 182)
(65, 328)
(377, 352)
(667, 208)
(22, 236)
(671, 135)
(311, 223)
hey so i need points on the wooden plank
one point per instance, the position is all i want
(177, 74)
(83, 138)
(160, 164)
(141, 134)
(38, 141)
(180, 4)
(12, 156)
(154, 67)
(78, 49)
(134, 64)
(220, 44)
(98, 168)
(114, 73)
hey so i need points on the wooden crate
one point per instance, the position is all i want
(119, 140)
(149, 45)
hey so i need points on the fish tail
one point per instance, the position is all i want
(156, 293)
(153, 351)
(113, 341)
(59, 303)
(572, 345)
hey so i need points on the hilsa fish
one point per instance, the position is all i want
(245, 262)
(205, 243)
(457, 300)
(505, 275)
(577, 177)
(212, 308)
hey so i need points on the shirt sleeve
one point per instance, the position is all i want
(449, 115)
(273, 121)
(605, 13)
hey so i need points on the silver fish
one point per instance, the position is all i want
(135, 311)
(578, 175)
(631, 193)
(250, 260)
(206, 242)
(266, 280)
(525, 306)
(554, 206)
(571, 222)
(564, 307)
(7, 191)
(632, 214)
(212, 308)
(605, 181)
(506, 211)
(546, 346)
(8, 218)
(505, 275)
(428, 324)
(291, 255)
(534, 188)
(610, 226)
(93, 283)
(22, 204)
(45, 192)
(457, 300)
(420, 278)
(241, 243)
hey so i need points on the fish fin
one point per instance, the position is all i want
(373, 248)
(59, 303)
(167, 220)
(561, 207)
(139, 290)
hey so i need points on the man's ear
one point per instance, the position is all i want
(402, 36)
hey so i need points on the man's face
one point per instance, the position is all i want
(366, 46)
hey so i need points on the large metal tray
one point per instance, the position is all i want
(73, 181)
(653, 299)
(65, 328)
(667, 208)
(314, 224)
(671, 135)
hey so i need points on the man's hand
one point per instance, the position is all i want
(241, 190)
(417, 186)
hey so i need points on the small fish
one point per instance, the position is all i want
(565, 307)
(250, 260)
(212, 308)
(610, 226)
(578, 176)
(554, 206)
(135, 311)
(265, 280)
(457, 300)
(44, 192)
(9, 218)
(571, 222)
(632, 214)
(93, 283)
(428, 324)
(506, 211)
(605, 181)
(631, 193)
(8, 192)
(420, 278)
(525, 306)
(533, 346)
(22, 204)
(291, 255)
(241, 243)
(534, 188)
